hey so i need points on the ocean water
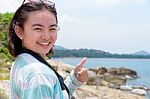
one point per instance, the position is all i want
(141, 66)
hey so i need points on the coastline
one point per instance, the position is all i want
(86, 91)
(94, 91)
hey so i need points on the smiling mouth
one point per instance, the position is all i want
(44, 44)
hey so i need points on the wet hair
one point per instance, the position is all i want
(19, 18)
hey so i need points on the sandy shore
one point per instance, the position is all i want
(101, 92)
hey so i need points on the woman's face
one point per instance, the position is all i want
(39, 33)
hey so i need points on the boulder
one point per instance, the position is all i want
(122, 71)
(126, 87)
(102, 71)
(99, 71)
(139, 91)
(93, 70)
(91, 74)
(93, 78)
(114, 79)
(60, 66)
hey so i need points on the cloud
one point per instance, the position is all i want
(111, 3)
(142, 2)
(66, 19)
(108, 2)
(9, 5)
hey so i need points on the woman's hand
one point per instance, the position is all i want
(81, 72)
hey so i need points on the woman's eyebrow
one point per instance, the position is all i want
(53, 25)
(43, 26)
(37, 25)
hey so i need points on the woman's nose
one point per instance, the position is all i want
(46, 35)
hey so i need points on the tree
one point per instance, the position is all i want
(4, 53)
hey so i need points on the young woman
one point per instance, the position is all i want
(32, 35)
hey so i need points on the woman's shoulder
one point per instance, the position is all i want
(23, 60)
(25, 57)
(31, 67)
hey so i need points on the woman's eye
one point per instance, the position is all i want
(37, 29)
(52, 29)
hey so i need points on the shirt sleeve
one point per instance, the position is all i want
(72, 83)
(38, 87)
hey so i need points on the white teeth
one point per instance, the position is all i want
(44, 43)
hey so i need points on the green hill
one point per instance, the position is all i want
(92, 53)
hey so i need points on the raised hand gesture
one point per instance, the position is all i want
(81, 72)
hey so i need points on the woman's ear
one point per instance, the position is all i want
(19, 32)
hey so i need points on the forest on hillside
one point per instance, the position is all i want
(92, 53)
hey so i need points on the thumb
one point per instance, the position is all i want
(80, 65)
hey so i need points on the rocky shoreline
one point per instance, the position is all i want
(103, 83)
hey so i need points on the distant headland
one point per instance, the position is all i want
(60, 51)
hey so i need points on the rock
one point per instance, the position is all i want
(102, 71)
(99, 71)
(94, 70)
(91, 74)
(114, 76)
(139, 91)
(91, 81)
(141, 87)
(128, 77)
(93, 78)
(126, 87)
(122, 71)
(60, 66)
(102, 92)
(114, 86)
(114, 79)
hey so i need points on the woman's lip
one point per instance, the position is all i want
(44, 43)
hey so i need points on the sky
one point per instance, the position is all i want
(115, 26)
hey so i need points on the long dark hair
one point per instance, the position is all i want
(20, 17)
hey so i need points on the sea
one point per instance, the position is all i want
(141, 66)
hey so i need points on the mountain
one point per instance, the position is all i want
(60, 51)
(141, 53)
(60, 47)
